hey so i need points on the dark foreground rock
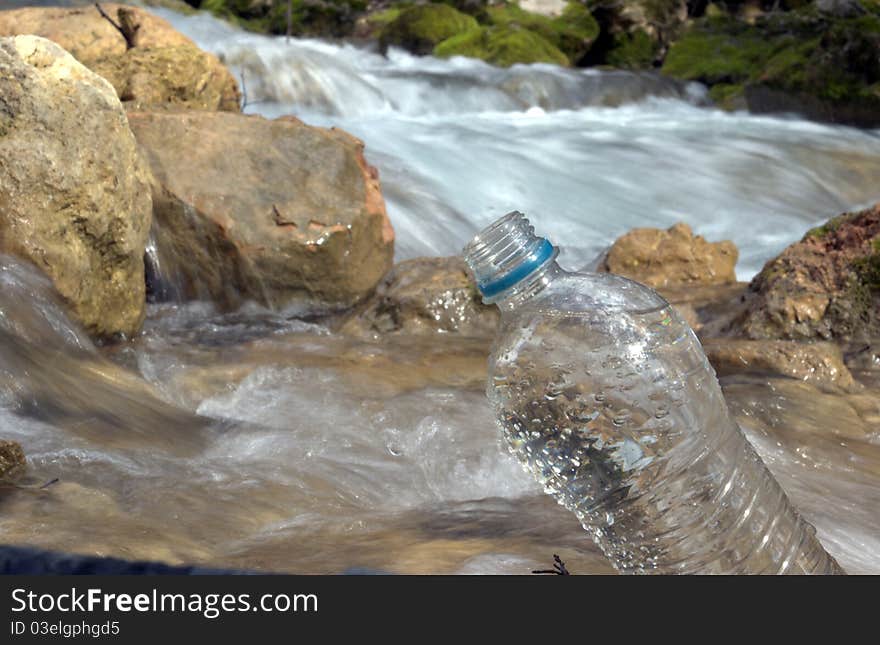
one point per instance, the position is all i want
(827, 286)
(74, 192)
(24, 561)
(272, 210)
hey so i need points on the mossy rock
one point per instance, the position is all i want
(502, 46)
(634, 50)
(822, 67)
(421, 28)
(573, 32)
(310, 18)
(826, 286)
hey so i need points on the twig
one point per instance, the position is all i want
(244, 97)
(9, 484)
(127, 25)
(558, 568)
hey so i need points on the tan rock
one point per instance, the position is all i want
(818, 363)
(165, 69)
(426, 295)
(676, 256)
(825, 286)
(74, 192)
(273, 210)
(180, 77)
(84, 33)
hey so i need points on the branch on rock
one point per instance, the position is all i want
(128, 25)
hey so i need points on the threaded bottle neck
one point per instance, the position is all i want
(506, 254)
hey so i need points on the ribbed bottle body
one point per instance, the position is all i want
(605, 395)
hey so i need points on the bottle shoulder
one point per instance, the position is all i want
(573, 293)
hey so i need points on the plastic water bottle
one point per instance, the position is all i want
(604, 394)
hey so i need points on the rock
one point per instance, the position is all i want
(572, 32)
(426, 296)
(818, 363)
(827, 286)
(673, 257)
(272, 210)
(74, 191)
(11, 457)
(309, 18)
(823, 67)
(165, 69)
(502, 46)
(420, 28)
(708, 309)
(840, 8)
(636, 34)
(544, 7)
(84, 33)
(181, 77)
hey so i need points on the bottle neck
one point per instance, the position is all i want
(510, 263)
(529, 287)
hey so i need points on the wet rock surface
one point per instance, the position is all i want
(819, 363)
(75, 192)
(426, 295)
(276, 211)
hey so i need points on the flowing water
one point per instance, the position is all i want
(258, 440)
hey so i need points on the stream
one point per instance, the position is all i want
(258, 440)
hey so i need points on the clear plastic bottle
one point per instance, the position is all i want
(604, 394)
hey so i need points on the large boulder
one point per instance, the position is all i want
(672, 257)
(74, 192)
(426, 296)
(272, 210)
(827, 286)
(164, 69)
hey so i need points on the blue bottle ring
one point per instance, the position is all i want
(533, 262)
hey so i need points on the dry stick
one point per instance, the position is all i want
(127, 26)
(558, 568)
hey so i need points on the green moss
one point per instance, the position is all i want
(384, 16)
(421, 28)
(799, 53)
(503, 46)
(573, 32)
(634, 50)
(867, 269)
(830, 226)
(718, 52)
(726, 95)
